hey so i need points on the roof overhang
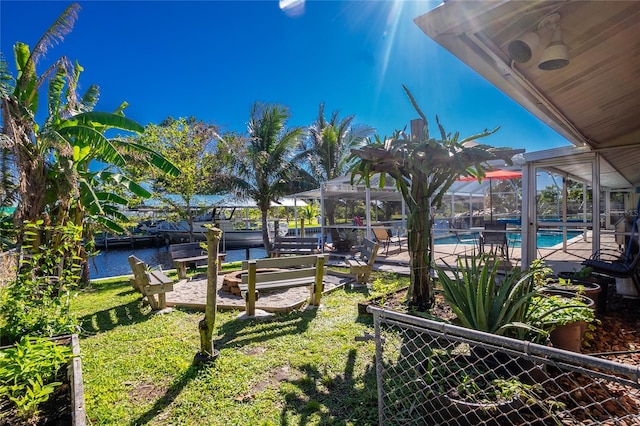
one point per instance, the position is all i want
(592, 102)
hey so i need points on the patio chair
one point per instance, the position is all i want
(625, 266)
(496, 237)
(385, 237)
(622, 267)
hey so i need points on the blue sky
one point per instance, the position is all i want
(213, 59)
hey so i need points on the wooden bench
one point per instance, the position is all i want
(361, 266)
(151, 284)
(297, 271)
(295, 246)
(191, 254)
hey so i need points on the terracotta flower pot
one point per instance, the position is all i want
(585, 288)
(568, 336)
(602, 280)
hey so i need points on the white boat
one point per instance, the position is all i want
(232, 237)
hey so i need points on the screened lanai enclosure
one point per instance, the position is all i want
(562, 207)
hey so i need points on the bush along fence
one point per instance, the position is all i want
(434, 373)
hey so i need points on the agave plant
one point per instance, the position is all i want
(484, 303)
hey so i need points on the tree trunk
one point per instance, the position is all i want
(190, 221)
(265, 230)
(32, 189)
(206, 325)
(419, 246)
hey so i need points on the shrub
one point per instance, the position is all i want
(550, 311)
(28, 373)
(37, 301)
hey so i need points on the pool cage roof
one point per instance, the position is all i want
(341, 189)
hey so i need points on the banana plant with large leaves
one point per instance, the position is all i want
(72, 124)
(53, 159)
(424, 168)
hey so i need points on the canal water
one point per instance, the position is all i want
(114, 262)
(111, 263)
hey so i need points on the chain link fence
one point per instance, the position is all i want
(434, 373)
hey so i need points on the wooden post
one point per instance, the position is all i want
(206, 325)
(251, 296)
(317, 289)
(302, 227)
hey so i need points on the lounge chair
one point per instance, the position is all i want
(384, 237)
(619, 268)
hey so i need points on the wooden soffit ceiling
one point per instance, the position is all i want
(594, 101)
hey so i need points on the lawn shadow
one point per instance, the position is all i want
(169, 396)
(241, 332)
(105, 320)
(347, 399)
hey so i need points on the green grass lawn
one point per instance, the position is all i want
(300, 368)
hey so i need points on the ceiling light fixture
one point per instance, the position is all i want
(556, 54)
(522, 49)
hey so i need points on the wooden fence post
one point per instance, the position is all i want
(206, 325)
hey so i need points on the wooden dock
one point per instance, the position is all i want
(132, 241)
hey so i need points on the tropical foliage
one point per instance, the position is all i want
(310, 212)
(482, 303)
(423, 169)
(328, 151)
(28, 373)
(37, 301)
(52, 159)
(198, 150)
(270, 170)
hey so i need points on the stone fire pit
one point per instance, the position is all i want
(232, 280)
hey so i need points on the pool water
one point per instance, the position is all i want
(546, 239)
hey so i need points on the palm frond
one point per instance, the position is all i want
(56, 32)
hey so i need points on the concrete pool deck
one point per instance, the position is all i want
(555, 257)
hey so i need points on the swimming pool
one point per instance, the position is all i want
(546, 239)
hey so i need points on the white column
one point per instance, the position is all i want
(322, 241)
(529, 217)
(607, 208)
(564, 213)
(595, 219)
(367, 195)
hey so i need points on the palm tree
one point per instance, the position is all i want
(424, 168)
(328, 150)
(270, 170)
